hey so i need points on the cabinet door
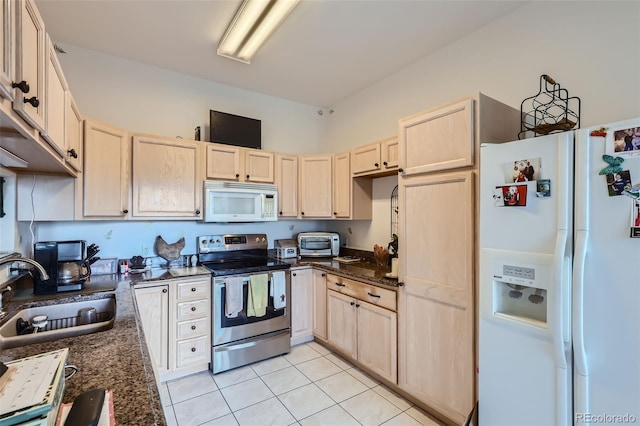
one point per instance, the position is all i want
(439, 139)
(389, 153)
(436, 303)
(167, 178)
(7, 48)
(377, 340)
(366, 159)
(341, 185)
(258, 166)
(315, 186)
(319, 304)
(301, 304)
(73, 132)
(153, 307)
(55, 87)
(223, 162)
(341, 323)
(287, 181)
(107, 151)
(30, 64)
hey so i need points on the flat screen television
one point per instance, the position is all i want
(233, 129)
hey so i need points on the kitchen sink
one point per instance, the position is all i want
(63, 320)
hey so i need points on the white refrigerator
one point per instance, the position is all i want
(559, 274)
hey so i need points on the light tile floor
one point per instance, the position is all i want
(308, 386)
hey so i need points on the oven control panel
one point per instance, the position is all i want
(230, 242)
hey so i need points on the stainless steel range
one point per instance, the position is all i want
(251, 317)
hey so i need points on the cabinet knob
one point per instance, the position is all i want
(357, 305)
(197, 211)
(72, 153)
(400, 170)
(33, 101)
(193, 327)
(125, 211)
(400, 284)
(323, 274)
(23, 86)
(280, 213)
(294, 274)
(377, 165)
(193, 309)
(193, 349)
(352, 303)
(302, 213)
(247, 176)
(335, 213)
(164, 290)
(385, 163)
(237, 175)
(193, 289)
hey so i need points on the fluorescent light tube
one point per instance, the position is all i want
(251, 26)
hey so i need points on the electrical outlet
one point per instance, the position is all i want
(146, 250)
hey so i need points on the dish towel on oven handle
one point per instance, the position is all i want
(233, 296)
(258, 292)
(278, 290)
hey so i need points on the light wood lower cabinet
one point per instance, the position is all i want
(302, 309)
(176, 320)
(153, 309)
(319, 279)
(364, 331)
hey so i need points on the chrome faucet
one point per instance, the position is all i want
(17, 257)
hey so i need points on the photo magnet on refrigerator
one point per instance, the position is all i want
(511, 195)
(618, 182)
(523, 170)
(635, 219)
(543, 188)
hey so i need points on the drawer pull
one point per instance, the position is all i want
(193, 327)
(377, 296)
(340, 285)
(193, 349)
(193, 309)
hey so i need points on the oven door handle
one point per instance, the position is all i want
(229, 347)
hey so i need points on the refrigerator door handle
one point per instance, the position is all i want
(558, 326)
(581, 385)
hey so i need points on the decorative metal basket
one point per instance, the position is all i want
(551, 110)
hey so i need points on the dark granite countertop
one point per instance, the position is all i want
(362, 271)
(115, 359)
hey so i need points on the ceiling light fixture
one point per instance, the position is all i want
(253, 23)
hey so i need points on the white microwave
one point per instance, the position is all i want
(239, 202)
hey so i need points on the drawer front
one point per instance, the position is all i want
(193, 309)
(193, 328)
(369, 293)
(192, 351)
(193, 290)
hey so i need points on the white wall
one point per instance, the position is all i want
(591, 48)
(145, 99)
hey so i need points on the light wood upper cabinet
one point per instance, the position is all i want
(436, 303)
(30, 64)
(107, 157)
(259, 166)
(376, 159)
(223, 162)
(315, 186)
(228, 162)
(287, 182)
(56, 88)
(342, 185)
(167, 178)
(7, 48)
(73, 132)
(439, 139)
(319, 304)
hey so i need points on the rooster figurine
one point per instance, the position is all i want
(168, 251)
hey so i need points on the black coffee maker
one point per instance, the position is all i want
(66, 264)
